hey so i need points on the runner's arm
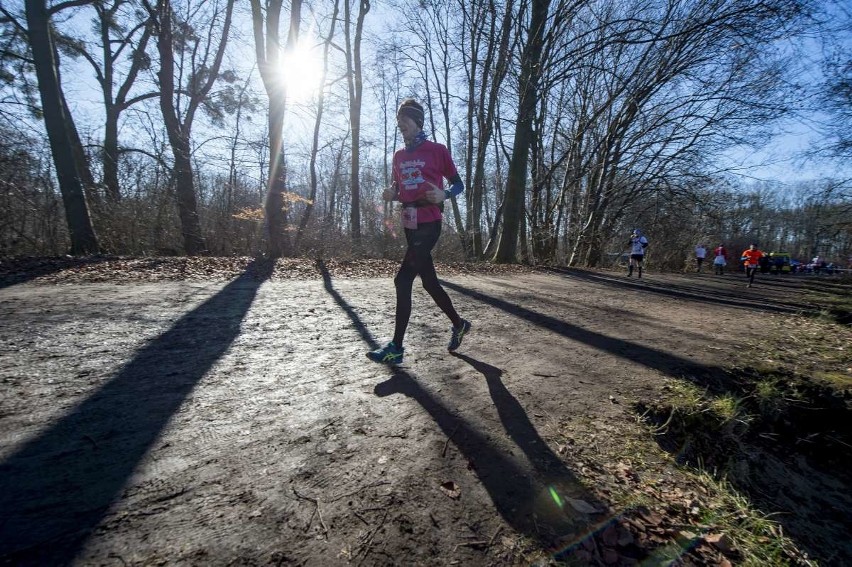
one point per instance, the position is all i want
(456, 187)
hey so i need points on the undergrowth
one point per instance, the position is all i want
(780, 418)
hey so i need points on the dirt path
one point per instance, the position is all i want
(240, 423)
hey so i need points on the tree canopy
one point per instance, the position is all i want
(175, 127)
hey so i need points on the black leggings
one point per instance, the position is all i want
(750, 274)
(418, 261)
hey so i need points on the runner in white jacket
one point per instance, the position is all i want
(637, 244)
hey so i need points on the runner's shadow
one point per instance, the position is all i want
(544, 501)
(515, 420)
(56, 488)
(548, 503)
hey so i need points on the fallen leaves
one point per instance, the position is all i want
(117, 269)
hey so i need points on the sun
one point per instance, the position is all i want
(301, 72)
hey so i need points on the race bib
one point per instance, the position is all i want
(409, 217)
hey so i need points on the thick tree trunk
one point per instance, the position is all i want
(267, 44)
(193, 241)
(57, 121)
(276, 210)
(353, 63)
(527, 101)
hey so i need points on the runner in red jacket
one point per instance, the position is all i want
(720, 259)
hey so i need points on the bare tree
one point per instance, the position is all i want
(60, 130)
(315, 140)
(528, 92)
(836, 93)
(487, 63)
(120, 34)
(634, 100)
(269, 51)
(200, 60)
(356, 89)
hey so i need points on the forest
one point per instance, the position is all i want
(225, 128)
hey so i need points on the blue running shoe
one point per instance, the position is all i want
(388, 354)
(458, 335)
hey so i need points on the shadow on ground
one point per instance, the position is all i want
(77, 467)
(665, 362)
(14, 271)
(772, 465)
(682, 290)
(547, 503)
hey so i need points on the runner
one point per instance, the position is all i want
(700, 254)
(720, 259)
(418, 170)
(751, 261)
(637, 244)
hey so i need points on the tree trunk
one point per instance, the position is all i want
(56, 121)
(267, 45)
(116, 105)
(518, 164)
(276, 212)
(493, 70)
(193, 242)
(353, 67)
(110, 159)
(312, 166)
(201, 76)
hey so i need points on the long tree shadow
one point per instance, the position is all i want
(58, 487)
(684, 291)
(545, 501)
(785, 476)
(356, 321)
(666, 362)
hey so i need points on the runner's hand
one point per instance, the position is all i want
(435, 195)
(389, 194)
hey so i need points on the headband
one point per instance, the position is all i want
(416, 114)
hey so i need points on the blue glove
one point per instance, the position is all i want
(455, 189)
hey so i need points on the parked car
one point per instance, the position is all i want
(781, 262)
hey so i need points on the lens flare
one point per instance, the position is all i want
(556, 497)
(301, 72)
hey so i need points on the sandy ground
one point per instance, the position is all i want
(240, 422)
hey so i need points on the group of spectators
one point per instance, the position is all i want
(819, 266)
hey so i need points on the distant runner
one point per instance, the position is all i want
(637, 244)
(751, 260)
(418, 170)
(720, 259)
(700, 254)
